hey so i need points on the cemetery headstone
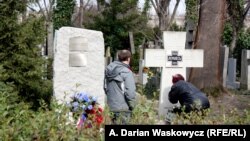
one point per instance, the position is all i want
(189, 39)
(151, 44)
(231, 76)
(143, 76)
(131, 39)
(245, 70)
(108, 58)
(173, 59)
(190, 34)
(224, 64)
(78, 59)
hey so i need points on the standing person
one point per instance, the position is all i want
(190, 97)
(119, 86)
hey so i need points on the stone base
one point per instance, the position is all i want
(233, 85)
(245, 86)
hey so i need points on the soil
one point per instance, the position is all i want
(232, 100)
(225, 103)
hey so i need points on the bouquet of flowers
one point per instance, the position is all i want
(86, 109)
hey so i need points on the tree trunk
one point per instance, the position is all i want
(24, 14)
(209, 33)
(162, 9)
(80, 13)
(50, 38)
(100, 5)
(162, 22)
(233, 43)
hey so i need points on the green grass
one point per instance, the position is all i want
(18, 122)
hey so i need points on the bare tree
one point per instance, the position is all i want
(46, 9)
(208, 38)
(162, 8)
(237, 15)
(100, 5)
(79, 14)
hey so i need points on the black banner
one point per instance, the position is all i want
(185, 132)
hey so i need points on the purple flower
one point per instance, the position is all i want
(68, 104)
(84, 117)
(86, 98)
(75, 109)
(75, 104)
(90, 107)
(81, 96)
(94, 99)
(83, 107)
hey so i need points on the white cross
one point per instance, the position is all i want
(173, 59)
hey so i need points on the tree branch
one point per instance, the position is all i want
(246, 10)
(38, 3)
(86, 4)
(154, 5)
(174, 12)
(90, 7)
(31, 8)
(51, 3)
(45, 7)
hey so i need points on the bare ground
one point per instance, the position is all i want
(226, 102)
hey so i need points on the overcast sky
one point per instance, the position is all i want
(181, 8)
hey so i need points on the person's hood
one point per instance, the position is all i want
(114, 69)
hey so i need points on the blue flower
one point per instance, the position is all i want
(86, 98)
(68, 104)
(84, 117)
(75, 109)
(81, 96)
(75, 104)
(83, 107)
(90, 107)
(94, 99)
(76, 96)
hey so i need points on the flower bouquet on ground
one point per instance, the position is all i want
(86, 110)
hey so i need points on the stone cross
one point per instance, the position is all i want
(172, 59)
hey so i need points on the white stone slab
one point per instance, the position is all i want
(173, 39)
(77, 59)
(155, 57)
(78, 44)
(89, 74)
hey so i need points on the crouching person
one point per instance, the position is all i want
(189, 97)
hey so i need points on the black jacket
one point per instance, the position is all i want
(189, 96)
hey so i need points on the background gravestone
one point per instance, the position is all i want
(231, 75)
(189, 40)
(224, 53)
(245, 69)
(78, 59)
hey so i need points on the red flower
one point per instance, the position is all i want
(98, 116)
(92, 111)
(100, 110)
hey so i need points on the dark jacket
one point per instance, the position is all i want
(119, 86)
(189, 96)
